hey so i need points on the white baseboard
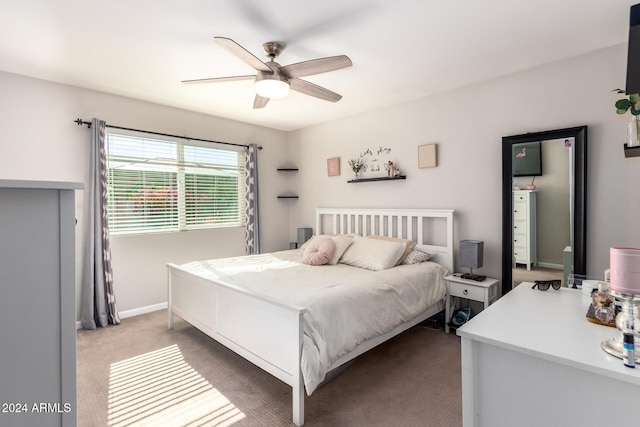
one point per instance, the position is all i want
(143, 310)
(550, 265)
(135, 312)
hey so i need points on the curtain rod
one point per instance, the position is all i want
(81, 122)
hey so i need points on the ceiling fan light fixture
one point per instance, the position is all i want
(271, 85)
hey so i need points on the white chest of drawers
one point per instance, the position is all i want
(532, 359)
(524, 228)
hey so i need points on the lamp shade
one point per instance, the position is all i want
(271, 85)
(304, 234)
(471, 253)
(625, 270)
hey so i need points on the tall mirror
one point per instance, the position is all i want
(544, 182)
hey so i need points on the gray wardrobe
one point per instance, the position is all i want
(37, 303)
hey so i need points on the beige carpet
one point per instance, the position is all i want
(140, 374)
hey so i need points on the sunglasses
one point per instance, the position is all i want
(543, 285)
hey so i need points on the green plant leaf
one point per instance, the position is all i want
(634, 98)
(623, 104)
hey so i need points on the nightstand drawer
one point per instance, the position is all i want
(466, 291)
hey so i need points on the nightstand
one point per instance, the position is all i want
(485, 292)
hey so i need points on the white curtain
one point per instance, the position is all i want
(98, 302)
(252, 238)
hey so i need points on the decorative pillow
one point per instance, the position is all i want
(372, 254)
(417, 256)
(342, 242)
(410, 244)
(319, 252)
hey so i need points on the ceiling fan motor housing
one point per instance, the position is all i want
(272, 49)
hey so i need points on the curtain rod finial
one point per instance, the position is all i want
(81, 122)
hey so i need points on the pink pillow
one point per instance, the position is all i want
(319, 251)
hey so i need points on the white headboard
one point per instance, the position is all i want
(424, 226)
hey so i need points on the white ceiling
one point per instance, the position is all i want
(401, 50)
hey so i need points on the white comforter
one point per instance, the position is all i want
(345, 305)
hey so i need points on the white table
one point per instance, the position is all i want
(532, 359)
(486, 292)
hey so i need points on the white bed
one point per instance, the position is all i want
(284, 335)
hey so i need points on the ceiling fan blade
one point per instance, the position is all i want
(260, 102)
(220, 79)
(316, 66)
(314, 90)
(242, 53)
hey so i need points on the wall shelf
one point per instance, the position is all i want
(631, 151)
(287, 196)
(382, 178)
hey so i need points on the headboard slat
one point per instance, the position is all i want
(381, 221)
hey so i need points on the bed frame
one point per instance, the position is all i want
(268, 332)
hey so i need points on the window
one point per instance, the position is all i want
(164, 184)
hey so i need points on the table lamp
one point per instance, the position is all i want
(471, 257)
(304, 234)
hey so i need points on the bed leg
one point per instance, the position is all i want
(298, 404)
(170, 318)
(169, 311)
(298, 380)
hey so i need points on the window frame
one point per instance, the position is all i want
(181, 170)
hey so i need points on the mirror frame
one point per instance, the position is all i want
(579, 198)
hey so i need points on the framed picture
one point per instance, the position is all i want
(527, 159)
(333, 166)
(427, 156)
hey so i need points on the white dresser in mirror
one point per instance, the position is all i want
(524, 228)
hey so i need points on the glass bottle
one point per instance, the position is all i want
(603, 303)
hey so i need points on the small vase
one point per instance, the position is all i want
(633, 130)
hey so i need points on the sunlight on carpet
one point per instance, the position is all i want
(160, 388)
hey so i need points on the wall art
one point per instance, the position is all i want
(427, 156)
(333, 166)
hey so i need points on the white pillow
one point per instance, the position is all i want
(342, 242)
(409, 244)
(373, 254)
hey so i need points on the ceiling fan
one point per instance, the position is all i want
(274, 80)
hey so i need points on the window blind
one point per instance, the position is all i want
(157, 184)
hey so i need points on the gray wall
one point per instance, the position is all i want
(41, 142)
(468, 124)
(553, 197)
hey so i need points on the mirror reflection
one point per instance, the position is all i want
(541, 191)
